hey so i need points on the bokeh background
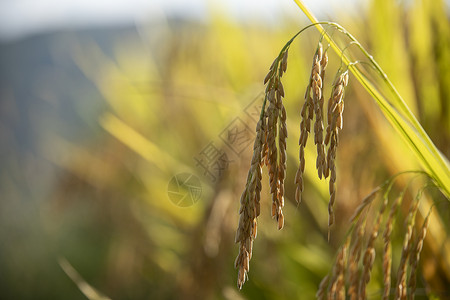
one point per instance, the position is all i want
(126, 133)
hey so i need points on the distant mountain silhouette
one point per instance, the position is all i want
(42, 85)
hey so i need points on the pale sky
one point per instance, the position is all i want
(23, 17)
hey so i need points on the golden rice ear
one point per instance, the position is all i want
(276, 140)
(280, 221)
(269, 146)
(320, 62)
(312, 106)
(250, 207)
(332, 137)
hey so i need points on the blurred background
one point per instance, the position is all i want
(126, 133)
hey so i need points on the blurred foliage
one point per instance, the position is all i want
(91, 191)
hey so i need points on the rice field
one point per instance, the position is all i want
(125, 155)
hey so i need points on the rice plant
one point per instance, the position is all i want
(355, 259)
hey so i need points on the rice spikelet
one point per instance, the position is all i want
(364, 203)
(317, 75)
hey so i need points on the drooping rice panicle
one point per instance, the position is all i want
(335, 123)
